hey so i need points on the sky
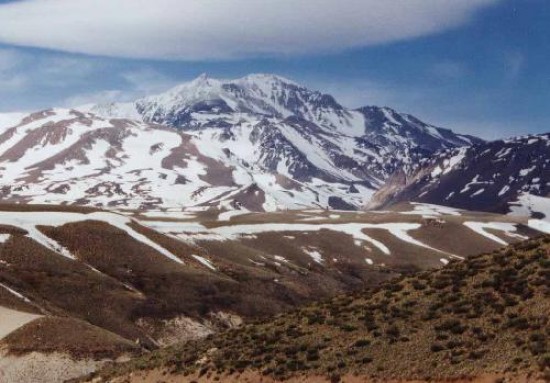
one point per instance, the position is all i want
(474, 66)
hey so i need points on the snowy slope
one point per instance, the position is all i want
(502, 176)
(531, 206)
(208, 102)
(261, 143)
(10, 119)
(299, 146)
(68, 157)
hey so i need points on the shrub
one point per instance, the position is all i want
(393, 331)
(366, 360)
(348, 328)
(519, 323)
(452, 325)
(361, 343)
(476, 354)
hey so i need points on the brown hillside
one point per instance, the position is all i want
(485, 317)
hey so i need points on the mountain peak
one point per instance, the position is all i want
(209, 102)
(202, 79)
(268, 77)
(259, 94)
(252, 80)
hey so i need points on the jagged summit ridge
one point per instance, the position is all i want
(259, 96)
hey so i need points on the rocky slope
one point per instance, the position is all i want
(484, 319)
(500, 176)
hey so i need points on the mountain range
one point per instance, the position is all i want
(131, 227)
(260, 143)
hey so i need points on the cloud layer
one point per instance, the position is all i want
(224, 29)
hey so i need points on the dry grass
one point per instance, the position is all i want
(74, 337)
(488, 314)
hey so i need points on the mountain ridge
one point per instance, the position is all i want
(258, 143)
(504, 176)
(266, 94)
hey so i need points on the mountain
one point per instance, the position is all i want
(295, 146)
(484, 319)
(501, 176)
(206, 102)
(80, 286)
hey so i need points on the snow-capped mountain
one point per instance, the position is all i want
(206, 102)
(258, 143)
(500, 176)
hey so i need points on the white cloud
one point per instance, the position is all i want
(221, 29)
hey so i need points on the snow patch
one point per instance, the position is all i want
(508, 228)
(280, 258)
(30, 220)
(204, 261)
(427, 210)
(355, 230)
(528, 204)
(537, 224)
(314, 254)
(227, 215)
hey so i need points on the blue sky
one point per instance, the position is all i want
(481, 68)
